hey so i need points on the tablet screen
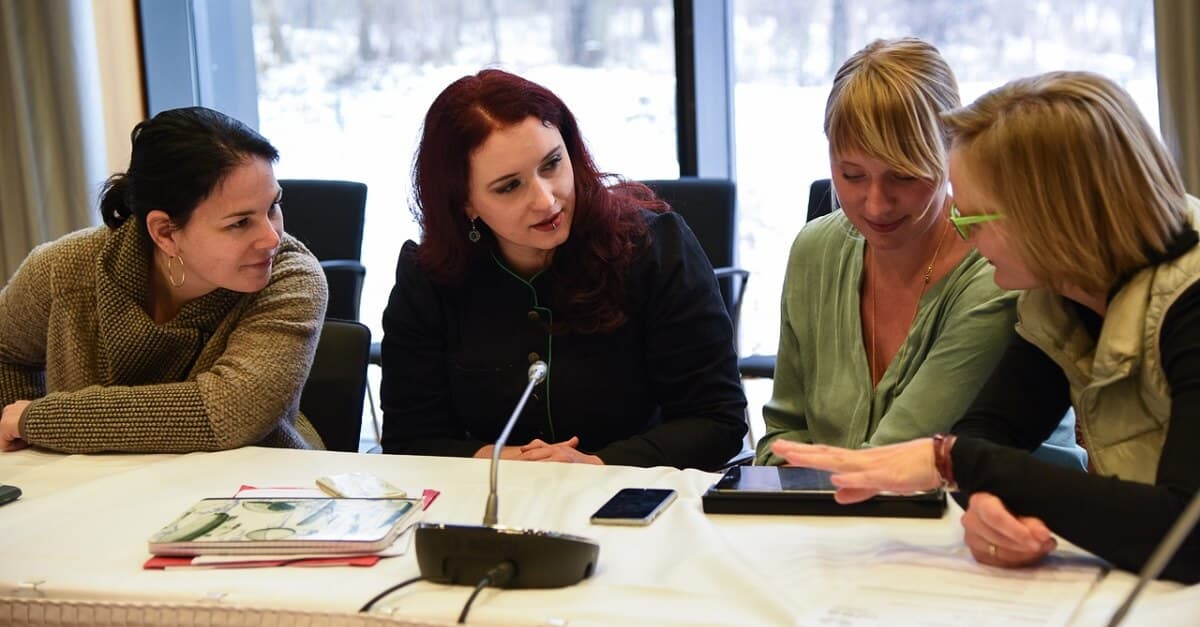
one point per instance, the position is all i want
(774, 479)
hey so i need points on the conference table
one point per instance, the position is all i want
(72, 550)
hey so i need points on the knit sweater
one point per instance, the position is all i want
(227, 371)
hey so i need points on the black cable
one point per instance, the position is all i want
(483, 583)
(367, 606)
(500, 574)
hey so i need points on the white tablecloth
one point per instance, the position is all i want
(79, 533)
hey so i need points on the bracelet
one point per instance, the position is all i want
(942, 443)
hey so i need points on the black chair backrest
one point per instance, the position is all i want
(821, 199)
(329, 217)
(332, 398)
(709, 206)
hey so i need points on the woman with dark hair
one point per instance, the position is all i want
(187, 323)
(526, 254)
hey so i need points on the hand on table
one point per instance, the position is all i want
(509, 452)
(568, 451)
(860, 474)
(997, 538)
(10, 422)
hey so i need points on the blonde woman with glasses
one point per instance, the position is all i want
(1065, 189)
(890, 324)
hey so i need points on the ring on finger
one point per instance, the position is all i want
(992, 550)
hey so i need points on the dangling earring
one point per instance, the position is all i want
(171, 271)
(474, 234)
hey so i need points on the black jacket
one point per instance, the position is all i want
(663, 389)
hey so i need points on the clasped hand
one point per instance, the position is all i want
(541, 451)
(10, 422)
(993, 534)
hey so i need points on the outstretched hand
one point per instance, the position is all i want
(860, 474)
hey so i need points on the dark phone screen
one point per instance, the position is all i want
(9, 493)
(633, 503)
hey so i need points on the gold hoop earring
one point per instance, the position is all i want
(171, 271)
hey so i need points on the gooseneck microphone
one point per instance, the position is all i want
(537, 374)
(468, 554)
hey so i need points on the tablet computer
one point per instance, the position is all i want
(806, 491)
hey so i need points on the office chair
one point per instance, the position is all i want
(821, 199)
(332, 398)
(821, 202)
(709, 206)
(329, 217)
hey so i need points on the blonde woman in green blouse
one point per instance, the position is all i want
(187, 323)
(890, 324)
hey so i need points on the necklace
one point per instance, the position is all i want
(873, 363)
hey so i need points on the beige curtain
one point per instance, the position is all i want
(1177, 40)
(51, 124)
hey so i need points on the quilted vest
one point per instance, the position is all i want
(1118, 387)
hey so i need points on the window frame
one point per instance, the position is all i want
(199, 53)
(202, 53)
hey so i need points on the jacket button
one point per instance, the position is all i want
(534, 357)
(533, 316)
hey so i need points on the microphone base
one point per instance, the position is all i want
(463, 554)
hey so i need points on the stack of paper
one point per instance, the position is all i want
(286, 526)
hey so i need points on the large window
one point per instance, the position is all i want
(787, 52)
(343, 86)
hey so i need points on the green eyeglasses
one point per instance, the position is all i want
(962, 223)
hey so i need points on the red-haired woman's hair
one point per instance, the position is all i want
(589, 270)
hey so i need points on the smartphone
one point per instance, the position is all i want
(634, 506)
(9, 493)
(359, 485)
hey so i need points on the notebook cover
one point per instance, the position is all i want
(285, 525)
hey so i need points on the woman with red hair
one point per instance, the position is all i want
(529, 252)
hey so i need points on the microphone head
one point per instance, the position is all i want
(537, 371)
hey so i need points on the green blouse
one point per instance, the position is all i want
(823, 390)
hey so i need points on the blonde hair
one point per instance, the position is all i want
(885, 102)
(1088, 191)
